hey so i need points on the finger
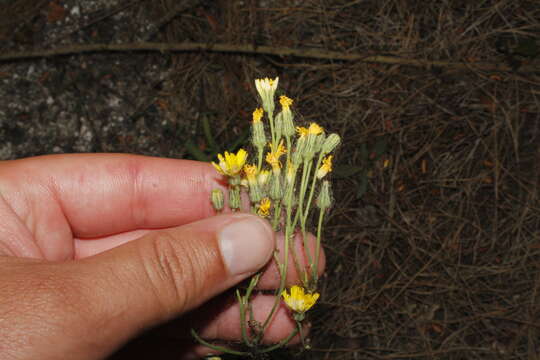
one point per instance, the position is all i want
(169, 272)
(89, 247)
(225, 326)
(270, 278)
(103, 194)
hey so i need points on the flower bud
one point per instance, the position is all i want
(331, 142)
(258, 137)
(278, 126)
(291, 173)
(217, 199)
(299, 151)
(288, 123)
(276, 192)
(319, 141)
(266, 88)
(309, 148)
(263, 177)
(325, 198)
(234, 197)
(255, 193)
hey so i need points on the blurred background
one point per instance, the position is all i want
(433, 243)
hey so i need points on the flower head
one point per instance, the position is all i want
(302, 131)
(298, 301)
(231, 164)
(264, 207)
(251, 173)
(272, 157)
(285, 101)
(315, 129)
(257, 115)
(266, 85)
(325, 168)
(266, 88)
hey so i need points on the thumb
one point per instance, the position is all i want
(168, 272)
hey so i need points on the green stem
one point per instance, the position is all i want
(252, 283)
(283, 274)
(272, 132)
(315, 269)
(303, 187)
(299, 327)
(217, 347)
(242, 302)
(259, 159)
(277, 215)
(312, 190)
(281, 343)
(284, 266)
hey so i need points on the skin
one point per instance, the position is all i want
(97, 248)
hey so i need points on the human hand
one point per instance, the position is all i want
(73, 281)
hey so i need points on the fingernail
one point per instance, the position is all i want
(246, 245)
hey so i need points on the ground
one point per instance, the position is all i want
(434, 238)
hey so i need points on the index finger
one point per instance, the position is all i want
(103, 194)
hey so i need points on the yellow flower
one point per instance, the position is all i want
(302, 131)
(231, 164)
(280, 149)
(257, 115)
(315, 129)
(264, 207)
(285, 101)
(251, 173)
(325, 168)
(272, 157)
(298, 301)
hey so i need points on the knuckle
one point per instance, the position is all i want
(172, 271)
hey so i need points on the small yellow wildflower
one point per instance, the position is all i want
(251, 173)
(285, 101)
(325, 168)
(273, 160)
(272, 157)
(264, 207)
(231, 164)
(302, 131)
(298, 301)
(315, 129)
(257, 115)
(280, 149)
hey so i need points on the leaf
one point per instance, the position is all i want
(197, 153)
(208, 134)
